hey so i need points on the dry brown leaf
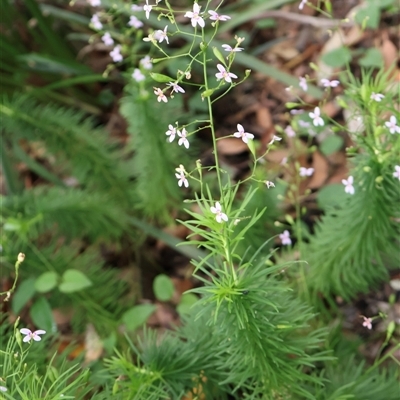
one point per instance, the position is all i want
(93, 344)
(231, 146)
(321, 171)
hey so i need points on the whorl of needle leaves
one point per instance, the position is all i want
(357, 243)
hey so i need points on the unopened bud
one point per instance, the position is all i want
(21, 257)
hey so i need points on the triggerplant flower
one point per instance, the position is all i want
(285, 238)
(290, 131)
(367, 322)
(146, 63)
(171, 132)
(303, 83)
(160, 95)
(219, 215)
(348, 185)
(316, 117)
(161, 35)
(396, 172)
(377, 96)
(392, 125)
(327, 83)
(269, 184)
(180, 175)
(94, 3)
(224, 74)
(275, 139)
(306, 171)
(32, 335)
(195, 16)
(138, 75)
(95, 21)
(147, 8)
(107, 39)
(136, 8)
(135, 22)
(182, 138)
(3, 389)
(245, 136)
(175, 87)
(226, 47)
(116, 54)
(302, 4)
(216, 17)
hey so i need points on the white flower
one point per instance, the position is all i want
(220, 216)
(377, 96)
(136, 8)
(316, 117)
(302, 4)
(224, 74)
(392, 125)
(107, 39)
(134, 21)
(3, 389)
(94, 3)
(290, 131)
(285, 238)
(328, 83)
(180, 175)
(146, 62)
(226, 47)
(175, 87)
(348, 185)
(367, 322)
(160, 95)
(116, 54)
(183, 140)
(242, 134)
(275, 139)
(304, 124)
(306, 171)
(216, 17)
(32, 335)
(303, 83)
(195, 17)
(147, 8)
(269, 184)
(296, 112)
(161, 35)
(95, 21)
(396, 172)
(138, 75)
(171, 132)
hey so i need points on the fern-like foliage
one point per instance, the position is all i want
(154, 159)
(71, 138)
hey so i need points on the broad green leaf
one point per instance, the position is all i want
(73, 281)
(331, 195)
(186, 303)
(219, 55)
(337, 58)
(372, 58)
(161, 78)
(25, 291)
(163, 288)
(45, 282)
(137, 316)
(331, 144)
(369, 17)
(42, 316)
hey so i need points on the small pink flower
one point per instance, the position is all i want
(175, 87)
(182, 138)
(107, 39)
(220, 216)
(146, 63)
(316, 117)
(290, 131)
(226, 47)
(136, 8)
(285, 238)
(392, 125)
(216, 17)
(3, 389)
(180, 175)
(269, 184)
(95, 21)
(147, 8)
(348, 185)
(303, 83)
(396, 172)
(94, 3)
(116, 54)
(138, 75)
(367, 322)
(377, 97)
(275, 139)
(245, 136)
(161, 35)
(171, 133)
(195, 16)
(32, 335)
(160, 95)
(302, 4)
(224, 74)
(328, 83)
(135, 22)
(306, 171)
